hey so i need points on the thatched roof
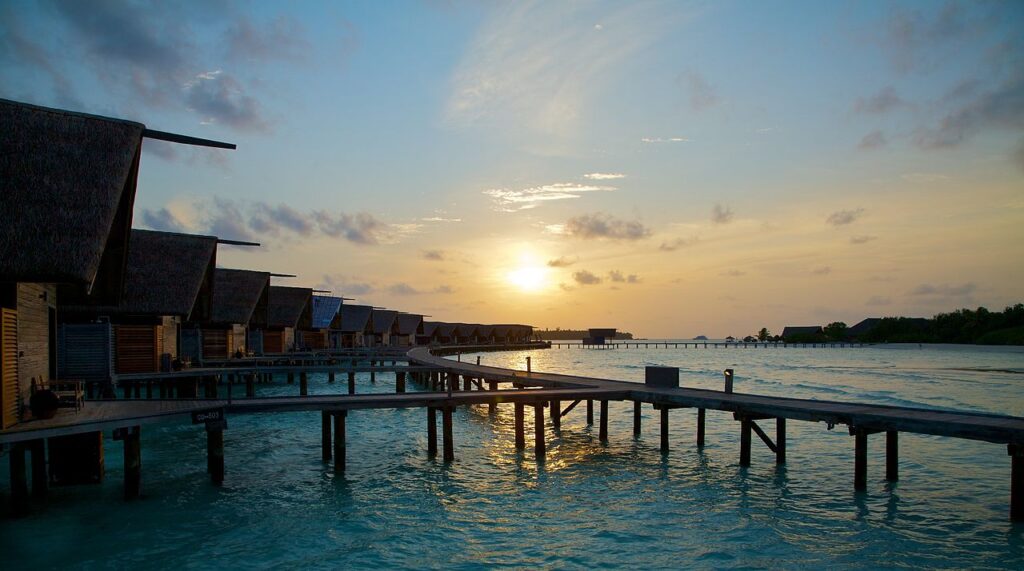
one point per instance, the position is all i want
(485, 331)
(446, 329)
(355, 318)
(430, 327)
(383, 320)
(466, 329)
(68, 186)
(288, 306)
(325, 308)
(409, 324)
(236, 294)
(166, 271)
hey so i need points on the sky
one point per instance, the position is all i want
(671, 169)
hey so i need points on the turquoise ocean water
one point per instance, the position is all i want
(588, 505)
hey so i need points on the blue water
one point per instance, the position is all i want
(588, 505)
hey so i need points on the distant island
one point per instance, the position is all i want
(701, 338)
(559, 334)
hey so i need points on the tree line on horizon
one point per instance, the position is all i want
(968, 326)
(559, 334)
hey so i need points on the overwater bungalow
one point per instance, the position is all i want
(465, 333)
(430, 335)
(410, 330)
(353, 326)
(290, 309)
(485, 335)
(383, 324)
(241, 300)
(325, 311)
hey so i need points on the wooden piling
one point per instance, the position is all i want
(467, 383)
(133, 463)
(520, 431)
(215, 455)
(745, 430)
(19, 482)
(780, 440)
(40, 479)
(373, 376)
(603, 431)
(538, 429)
(250, 386)
(400, 382)
(325, 436)
(339, 441)
(303, 384)
(492, 407)
(892, 455)
(330, 377)
(556, 414)
(351, 383)
(431, 431)
(700, 428)
(590, 412)
(291, 378)
(664, 429)
(860, 460)
(1016, 482)
(446, 425)
(636, 417)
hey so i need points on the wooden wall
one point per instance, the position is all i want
(34, 334)
(137, 348)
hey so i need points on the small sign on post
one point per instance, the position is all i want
(213, 418)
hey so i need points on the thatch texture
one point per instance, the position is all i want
(289, 306)
(236, 293)
(325, 309)
(166, 271)
(383, 320)
(355, 318)
(64, 178)
(410, 324)
(430, 328)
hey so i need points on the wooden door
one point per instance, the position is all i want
(138, 348)
(9, 393)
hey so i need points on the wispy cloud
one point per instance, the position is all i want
(219, 98)
(655, 140)
(604, 176)
(162, 219)
(733, 273)
(510, 200)
(721, 214)
(862, 239)
(822, 271)
(673, 245)
(700, 93)
(618, 277)
(561, 262)
(282, 38)
(584, 277)
(599, 225)
(844, 217)
(882, 102)
(434, 255)
(944, 290)
(345, 285)
(402, 288)
(873, 140)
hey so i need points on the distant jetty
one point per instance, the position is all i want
(572, 334)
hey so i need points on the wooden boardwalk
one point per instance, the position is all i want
(702, 344)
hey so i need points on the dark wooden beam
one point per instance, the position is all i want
(185, 139)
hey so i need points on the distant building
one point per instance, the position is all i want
(598, 336)
(353, 326)
(290, 309)
(802, 332)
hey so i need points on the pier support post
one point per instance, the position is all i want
(291, 378)
(860, 459)
(745, 430)
(215, 455)
(467, 383)
(351, 383)
(373, 376)
(1016, 482)
(339, 441)
(19, 483)
(132, 463)
(492, 407)
(590, 412)
(250, 385)
(40, 479)
(602, 434)
(664, 429)
(556, 414)
(892, 455)
(431, 431)
(780, 440)
(520, 431)
(700, 428)
(446, 425)
(330, 377)
(538, 429)
(325, 436)
(303, 384)
(400, 382)
(636, 417)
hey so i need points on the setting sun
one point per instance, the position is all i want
(528, 278)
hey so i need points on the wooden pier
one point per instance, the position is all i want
(448, 384)
(611, 345)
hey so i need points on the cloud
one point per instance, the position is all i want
(945, 290)
(433, 255)
(272, 220)
(664, 140)
(361, 228)
(403, 288)
(282, 38)
(507, 200)
(225, 220)
(822, 271)
(604, 176)
(565, 287)
(880, 103)
(162, 219)
(733, 273)
(877, 301)
(346, 285)
(583, 277)
(599, 225)
(873, 140)
(844, 217)
(220, 98)
(721, 214)
(618, 277)
(862, 239)
(915, 38)
(561, 262)
(673, 245)
(1000, 108)
(701, 94)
